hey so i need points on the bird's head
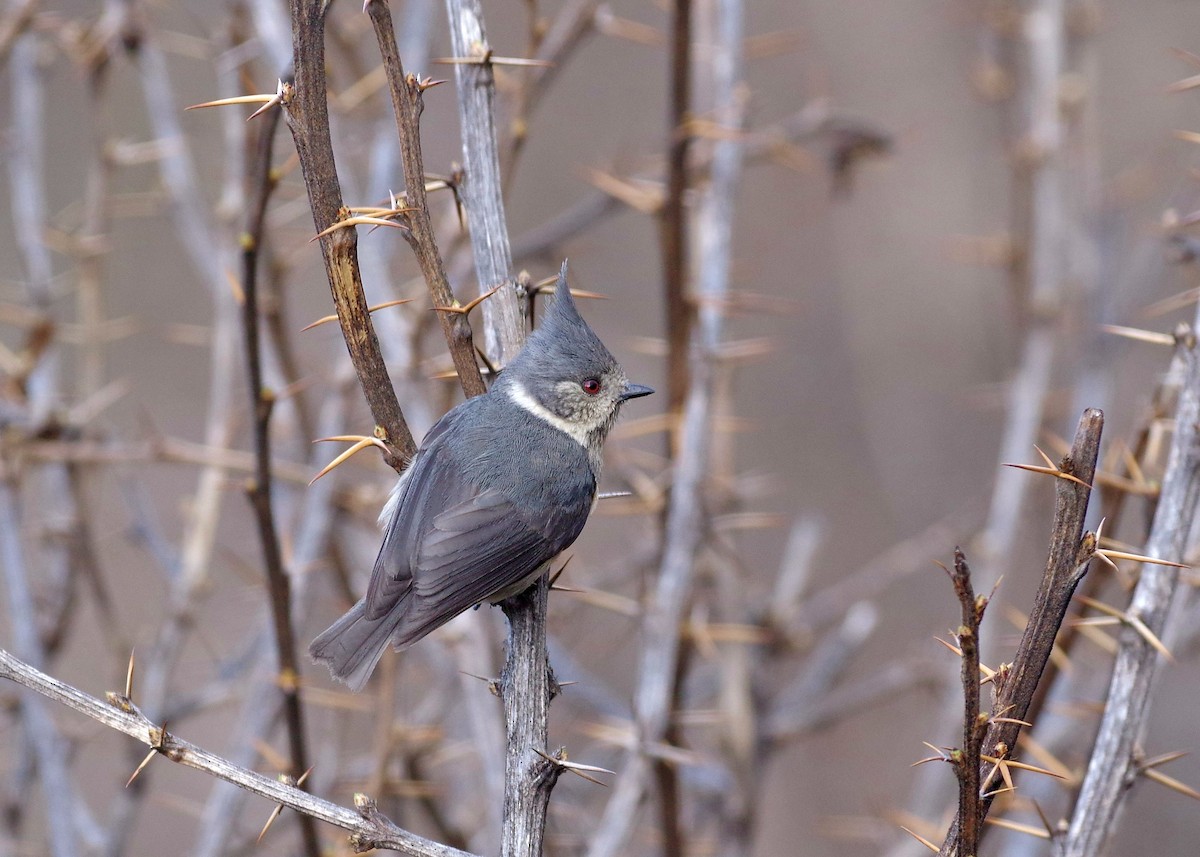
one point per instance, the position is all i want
(565, 375)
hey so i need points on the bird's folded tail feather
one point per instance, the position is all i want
(353, 645)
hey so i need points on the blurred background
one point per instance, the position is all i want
(896, 205)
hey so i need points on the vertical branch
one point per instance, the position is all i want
(527, 682)
(407, 103)
(27, 179)
(527, 685)
(504, 330)
(1113, 765)
(1039, 236)
(674, 220)
(685, 521)
(1071, 551)
(262, 182)
(966, 760)
(308, 118)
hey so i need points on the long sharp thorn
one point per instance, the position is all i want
(356, 448)
(470, 305)
(1171, 783)
(264, 98)
(146, 761)
(920, 839)
(275, 813)
(129, 676)
(1018, 827)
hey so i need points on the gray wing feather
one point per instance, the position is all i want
(448, 546)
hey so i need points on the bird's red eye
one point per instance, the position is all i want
(591, 386)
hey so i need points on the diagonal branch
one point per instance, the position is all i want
(307, 113)
(368, 827)
(407, 104)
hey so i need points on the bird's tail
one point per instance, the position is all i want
(353, 645)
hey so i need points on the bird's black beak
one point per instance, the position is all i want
(634, 391)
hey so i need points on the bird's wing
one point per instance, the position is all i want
(450, 545)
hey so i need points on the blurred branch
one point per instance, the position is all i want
(1113, 765)
(814, 121)
(1037, 229)
(685, 519)
(42, 396)
(262, 182)
(48, 747)
(368, 827)
(307, 111)
(575, 21)
(673, 213)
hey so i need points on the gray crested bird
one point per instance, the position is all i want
(500, 485)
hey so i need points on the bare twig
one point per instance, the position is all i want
(1113, 765)
(407, 104)
(1071, 551)
(308, 118)
(262, 400)
(966, 758)
(368, 827)
(504, 330)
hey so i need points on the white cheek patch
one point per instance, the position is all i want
(521, 397)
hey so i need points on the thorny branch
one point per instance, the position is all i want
(966, 759)
(504, 328)
(1071, 551)
(308, 118)
(1113, 766)
(262, 182)
(407, 105)
(527, 683)
(368, 827)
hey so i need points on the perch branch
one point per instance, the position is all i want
(527, 684)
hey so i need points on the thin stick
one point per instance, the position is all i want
(368, 827)
(966, 759)
(308, 118)
(407, 105)
(674, 221)
(262, 401)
